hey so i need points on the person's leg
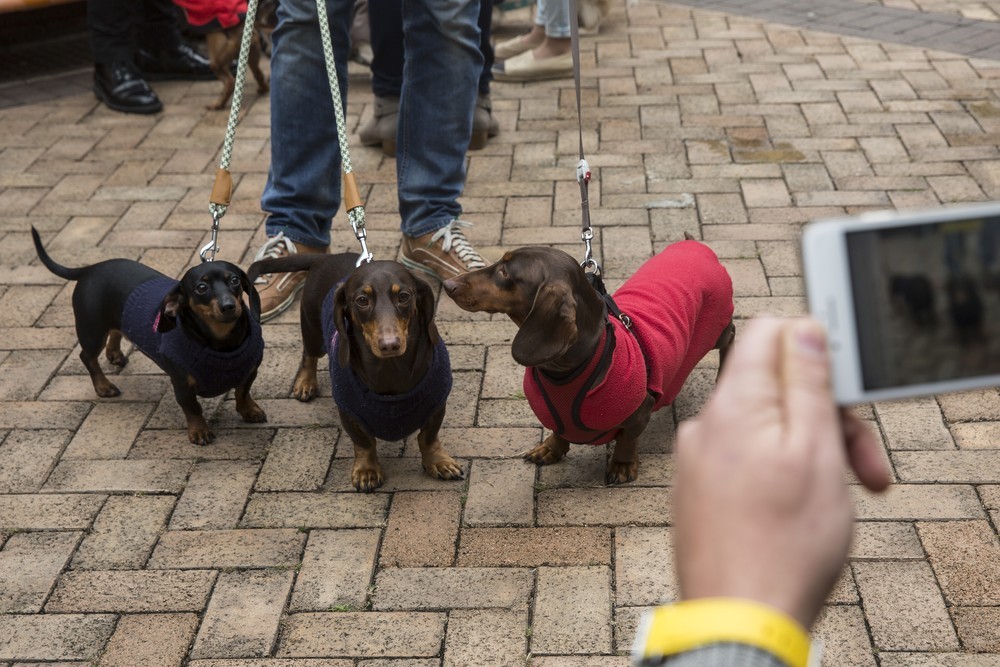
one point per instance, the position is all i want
(387, 75)
(549, 59)
(555, 19)
(484, 124)
(160, 51)
(440, 81)
(110, 24)
(485, 22)
(361, 36)
(117, 82)
(302, 193)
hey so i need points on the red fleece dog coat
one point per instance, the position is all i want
(680, 301)
(206, 15)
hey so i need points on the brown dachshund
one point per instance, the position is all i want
(389, 368)
(221, 22)
(223, 48)
(589, 378)
(216, 347)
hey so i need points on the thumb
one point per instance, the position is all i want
(805, 381)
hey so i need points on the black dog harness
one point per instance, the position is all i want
(214, 371)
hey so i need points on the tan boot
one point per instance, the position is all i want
(277, 290)
(443, 254)
(485, 126)
(380, 130)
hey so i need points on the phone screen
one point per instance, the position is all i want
(927, 301)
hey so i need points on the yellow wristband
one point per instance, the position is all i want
(688, 625)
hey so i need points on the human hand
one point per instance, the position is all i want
(762, 510)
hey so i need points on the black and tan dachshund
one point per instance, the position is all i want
(590, 378)
(389, 368)
(217, 347)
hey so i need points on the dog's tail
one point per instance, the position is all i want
(285, 264)
(58, 269)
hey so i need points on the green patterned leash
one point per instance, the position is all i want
(351, 195)
(222, 191)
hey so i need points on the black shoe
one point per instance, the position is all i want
(181, 62)
(120, 87)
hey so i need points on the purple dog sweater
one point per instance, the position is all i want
(214, 371)
(385, 416)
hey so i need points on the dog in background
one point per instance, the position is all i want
(221, 22)
(591, 12)
(389, 369)
(589, 377)
(217, 346)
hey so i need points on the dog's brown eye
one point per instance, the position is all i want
(234, 281)
(362, 301)
(201, 288)
(404, 297)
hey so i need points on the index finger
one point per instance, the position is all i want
(751, 376)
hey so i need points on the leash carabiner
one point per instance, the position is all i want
(356, 215)
(357, 218)
(212, 246)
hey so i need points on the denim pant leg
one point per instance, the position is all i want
(553, 15)
(440, 82)
(302, 193)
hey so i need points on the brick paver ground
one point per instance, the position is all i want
(123, 544)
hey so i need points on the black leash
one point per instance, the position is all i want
(583, 174)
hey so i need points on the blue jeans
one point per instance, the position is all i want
(553, 16)
(437, 99)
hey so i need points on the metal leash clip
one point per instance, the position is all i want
(213, 245)
(357, 218)
(589, 263)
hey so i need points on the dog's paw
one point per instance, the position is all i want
(305, 388)
(542, 455)
(107, 390)
(366, 478)
(621, 473)
(443, 467)
(253, 414)
(304, 391)
(200, 435)
(117, 358)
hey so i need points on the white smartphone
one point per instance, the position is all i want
(910, 300)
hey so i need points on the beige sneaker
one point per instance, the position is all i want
(277, 290)
(443, 254)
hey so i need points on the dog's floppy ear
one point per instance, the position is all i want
(341, 320)
(425, 310)
(251, 292)
(549, 330)
(170, 308)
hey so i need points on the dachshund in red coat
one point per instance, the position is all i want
(588, 377)
(221, 21)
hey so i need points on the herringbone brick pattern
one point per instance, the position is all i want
(121, 544)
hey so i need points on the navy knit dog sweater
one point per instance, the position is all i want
(384, 416)
(215, 371)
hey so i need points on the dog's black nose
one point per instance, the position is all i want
(388, 344)
(227, 306)
(450, 286)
